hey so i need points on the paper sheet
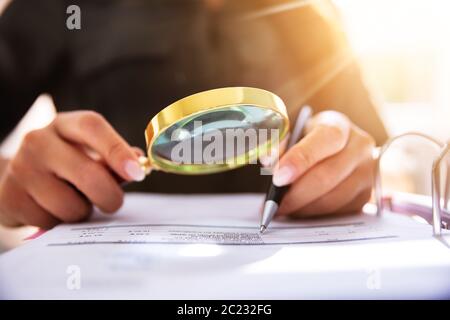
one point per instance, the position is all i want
(162, 246)
(364, 228)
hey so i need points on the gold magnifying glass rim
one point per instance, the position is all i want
(206, 101)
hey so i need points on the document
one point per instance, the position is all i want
(178, 246)
(363, 229)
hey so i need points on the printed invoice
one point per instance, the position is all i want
(161, 246)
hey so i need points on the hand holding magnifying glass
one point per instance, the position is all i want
(79, 160)
(54, 178)
(62, 170)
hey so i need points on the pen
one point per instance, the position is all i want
(275, 194)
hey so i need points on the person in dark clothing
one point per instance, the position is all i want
(131, 58)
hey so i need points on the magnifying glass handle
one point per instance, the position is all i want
(145, 164)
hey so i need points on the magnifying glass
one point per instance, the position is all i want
(215, 130)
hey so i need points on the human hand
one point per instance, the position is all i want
(329, 171)
(60, 171)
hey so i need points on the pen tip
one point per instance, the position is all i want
(262, 229)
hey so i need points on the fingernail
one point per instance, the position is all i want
(134, 170)
(138, 151)
(283, 176)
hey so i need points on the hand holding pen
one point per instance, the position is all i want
(275, 194)
(329, 171)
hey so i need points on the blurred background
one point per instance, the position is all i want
(404, 50)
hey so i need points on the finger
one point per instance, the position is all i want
(7, 218)
(122, 182)
(91, 129)
(56, 196)
(90, 177)
(138, 151)
(329, 133)
(357, 204)
(95, 156)
(325, 176)
(341, 196)
(22, 208)
(35, 215)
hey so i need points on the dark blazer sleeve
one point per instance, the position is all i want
(31, 42)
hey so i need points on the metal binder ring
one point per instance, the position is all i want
(443, 148)
(436, 190)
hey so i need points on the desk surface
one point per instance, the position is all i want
(410, 265)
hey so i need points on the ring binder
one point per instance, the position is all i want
(438, 211)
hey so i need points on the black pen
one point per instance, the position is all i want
(275, 194)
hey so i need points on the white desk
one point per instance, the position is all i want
(413, 265)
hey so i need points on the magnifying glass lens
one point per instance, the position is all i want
(217, 139)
